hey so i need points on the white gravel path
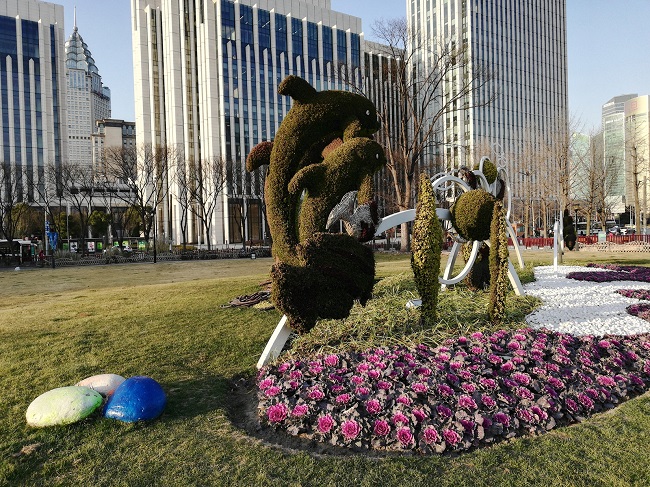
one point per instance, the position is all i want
(582, 307)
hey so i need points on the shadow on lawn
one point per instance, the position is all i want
(194, 397)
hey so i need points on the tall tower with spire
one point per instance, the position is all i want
(88, 99)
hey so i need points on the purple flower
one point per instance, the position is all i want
(519, 337)
(571, 405)
(445, 390)
(539, 412)
(586, 401)
(523, 379)
(444, 411)
(468, 425)
(381, 428)
(284, 367)
(277, 413)
(362, 391)
(466, 402)
(468, 387)
(502, 418)
(494, 359)
(373, 374)
(405, 436)
(350, 429)
(487, 383)
(488, 401)
(524, 393)
(507, 367)
(513, 345)
(295, 374)
(419, 388)
(315, 369)
(556, 383)
(373, 406)
(300, 410)
(451, 437)
(525, 415)
(604, 344)
(419, 414)
(477, 335)
(444, 357)
(477, 350)
(356, 379)
(430, 435)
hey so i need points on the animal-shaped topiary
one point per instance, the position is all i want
(347, 168)
(315, 120)
(472, 213)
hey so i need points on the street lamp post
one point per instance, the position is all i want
(155, 217)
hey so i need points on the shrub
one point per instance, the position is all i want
(472, 213)
(489, 170)
(498, 264)
(426, 249)
(479, 275)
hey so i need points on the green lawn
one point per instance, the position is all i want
(166, 321)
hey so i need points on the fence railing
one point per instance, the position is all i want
(587, 240)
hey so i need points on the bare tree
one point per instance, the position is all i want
(12, 196)
(430, 79)
(637, 168)
(77, 185)
(207, 179)
(182, 184)
(143, 171)
(246, 190)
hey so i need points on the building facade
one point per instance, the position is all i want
(523, 44)
(637, 157)
(87, 98)
(33, 131)
(110, 133)
(206, 78)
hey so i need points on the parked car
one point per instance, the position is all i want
(628, 231)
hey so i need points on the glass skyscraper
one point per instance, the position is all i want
(206, 76)
(523, 42)
(33, 133)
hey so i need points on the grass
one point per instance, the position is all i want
(166, 321)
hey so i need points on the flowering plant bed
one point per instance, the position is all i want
(643, 294)
(470, 392)
(612, 272)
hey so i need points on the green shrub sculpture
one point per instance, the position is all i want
(426, 247)
(489, 170)
(314, 121)
(472, 213)
(321, 151)
(569, 231)
(479, 275)
(498, 264)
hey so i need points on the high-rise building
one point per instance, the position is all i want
(206, 78)
(87, 99)
(637, 155)
(110, 133)
(524, 45)
(613, 120)
(33, 132)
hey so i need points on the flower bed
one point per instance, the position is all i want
(612, 272)
(642, 310)
(635, 293)
(470, 392)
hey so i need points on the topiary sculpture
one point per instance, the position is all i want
(498, 264)
(479, 276)
(472, 213)
(569, 231)
(426, 248)
(320, 153)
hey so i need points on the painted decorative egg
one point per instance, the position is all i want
(136, 399)
(64, 405)
(105, 384)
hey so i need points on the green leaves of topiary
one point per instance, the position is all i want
(426, 248)
(498, 264)
(489, 170)
(472, 213)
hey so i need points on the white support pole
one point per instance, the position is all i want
(276, 343)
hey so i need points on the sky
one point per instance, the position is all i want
(607, 44)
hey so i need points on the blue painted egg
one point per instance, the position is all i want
(136, 399)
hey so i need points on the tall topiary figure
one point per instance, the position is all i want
(321, 152)
(569, 231)
(426, 249)
(498, 264)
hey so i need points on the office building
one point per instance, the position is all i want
(637, 156)
(523, 44)
(206, 78)
(87, 98)
(33, 131)
(110, 134)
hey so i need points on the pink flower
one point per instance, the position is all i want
(277, 413)
(494, 359)
(300, 410)
(404, 400)
(331, 360)
(585, 401)
(477, 350)
(477, 335)
(487, 383)
(507, 367)
(424, 371)
(373, 374)
(539, 412)
(451, 437)
(444, 357)
(525, 415)
(325, 423)
(362, 391)
(513, 345)
(524, 393)
(284, 367)
(266, 383)
(556, 383)
(405, 436)
(315, 369)
(468, 387)
(316, 394)
(342, 398)
(295, 374)
(466, 402)
(350, 429)
(606, 381)
(604, 344)
(519, 337)
(430, 435)
(373, 406)
(381, 428)
(571, 405)
(356, 379)
(272, 391)
(419, 388)
(399, 418)
(382, 384)
(419, 414)
(468, 425)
